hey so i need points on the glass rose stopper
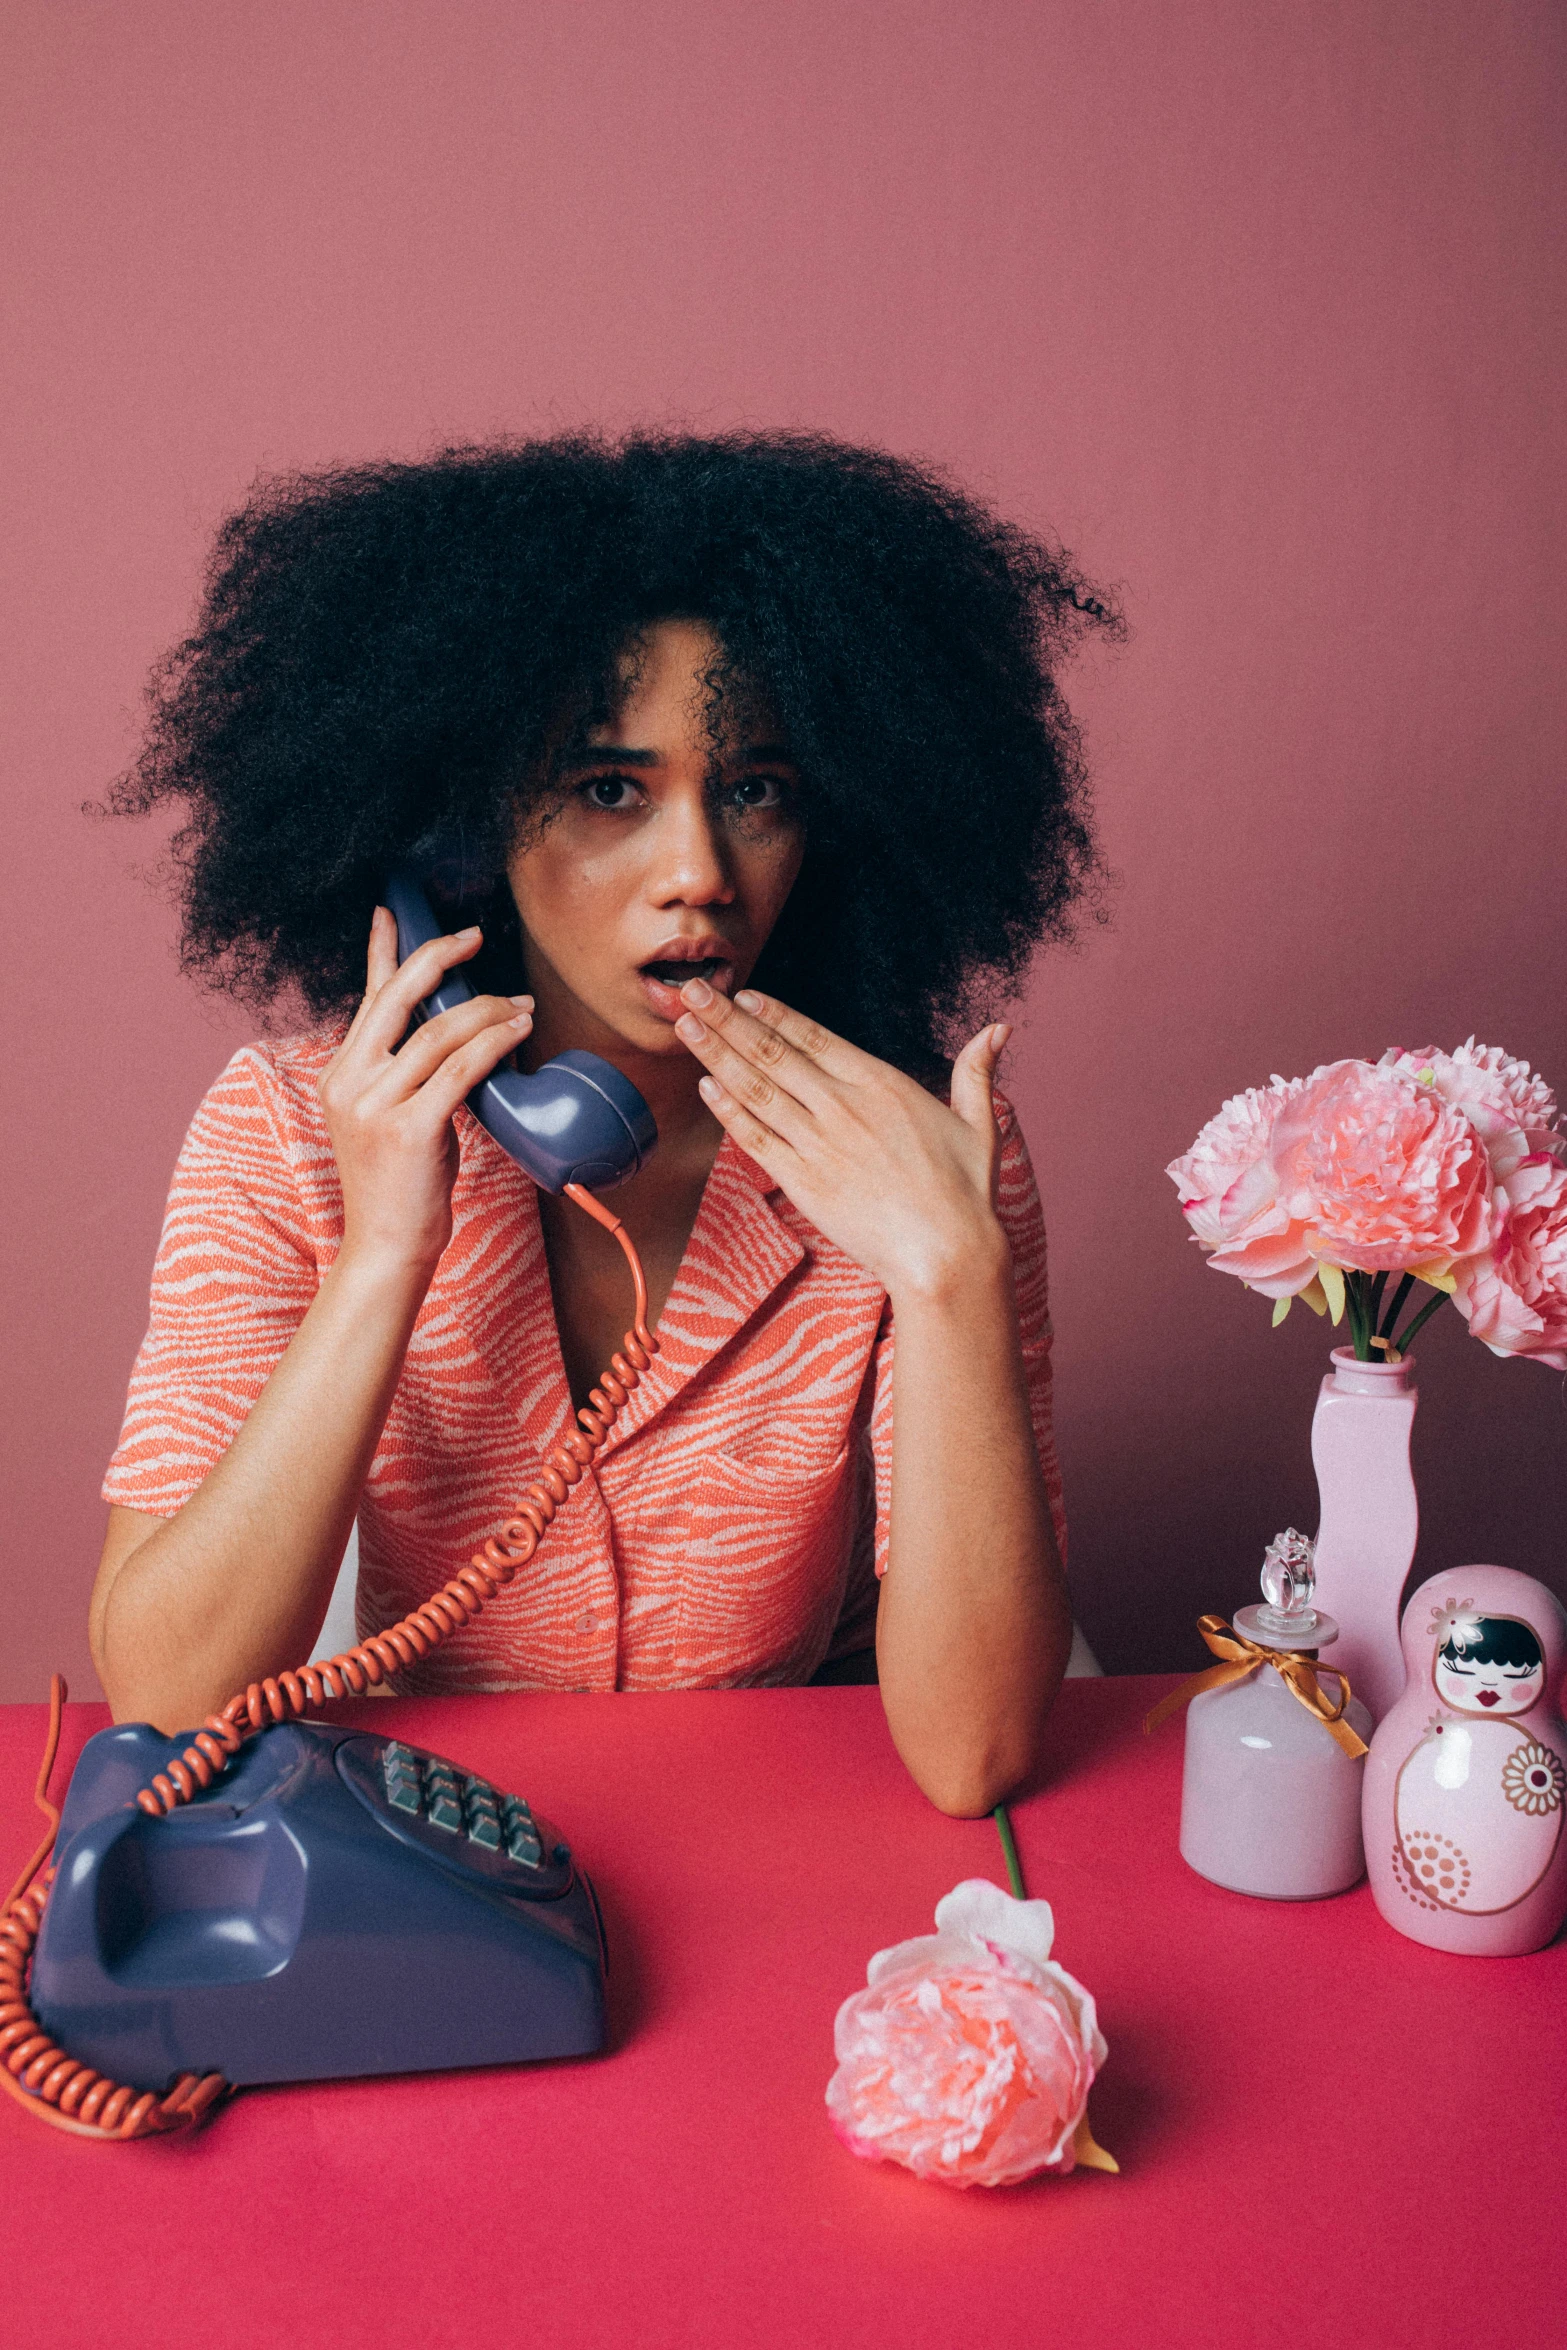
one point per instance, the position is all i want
(1289, 1579)
(1287, 1618)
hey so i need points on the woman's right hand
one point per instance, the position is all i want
(389, 1112)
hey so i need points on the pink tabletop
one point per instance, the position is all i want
(1324, 2131)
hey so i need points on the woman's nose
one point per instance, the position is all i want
(689, 867)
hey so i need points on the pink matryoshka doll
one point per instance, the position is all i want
(1462, 1808)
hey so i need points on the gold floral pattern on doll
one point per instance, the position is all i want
(1431, 1869)
(1533, 1779)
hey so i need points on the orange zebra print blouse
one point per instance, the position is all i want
(731, 1530)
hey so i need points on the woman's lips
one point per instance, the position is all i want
(663, 995)
(1488, 1696)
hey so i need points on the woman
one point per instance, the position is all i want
(758, 746)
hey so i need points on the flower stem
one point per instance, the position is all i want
(1420, 1320)
(1359, 1326)
(1009, 1848)
(1375, 1307)
(1390, 1318)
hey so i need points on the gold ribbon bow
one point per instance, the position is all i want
(1297, 1668)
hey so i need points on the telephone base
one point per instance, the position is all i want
(335, 1904)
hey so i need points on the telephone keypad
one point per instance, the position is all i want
(429, 1787)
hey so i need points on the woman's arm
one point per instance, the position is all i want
(974, 1625)
(233, 1587)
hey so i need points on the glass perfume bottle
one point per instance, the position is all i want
(1270, 1800)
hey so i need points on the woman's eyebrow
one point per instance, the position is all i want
(604, 754)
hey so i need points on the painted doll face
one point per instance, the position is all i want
(1489, 1665)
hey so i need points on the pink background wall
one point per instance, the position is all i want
(1258, 307)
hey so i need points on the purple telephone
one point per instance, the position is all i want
(272, 1899)
(337, 1903)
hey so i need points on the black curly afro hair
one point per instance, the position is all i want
(388, 652)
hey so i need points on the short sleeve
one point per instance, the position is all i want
(234, 1276)
(1022, 1218)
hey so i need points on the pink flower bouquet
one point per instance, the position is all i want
(1446, 1168)
(970, 2053)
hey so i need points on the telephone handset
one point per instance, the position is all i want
(192, 1934)
(576, 1120)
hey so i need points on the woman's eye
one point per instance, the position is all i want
(1516, 1672)
(757, 791)
(609, 791)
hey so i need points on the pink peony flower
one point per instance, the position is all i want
(1367, 1169)
(1514, 1295)
(970, 2055)
(1229, 1188)
(1513, 1111)
(1384, 1175)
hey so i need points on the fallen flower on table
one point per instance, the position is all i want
(970, 2054)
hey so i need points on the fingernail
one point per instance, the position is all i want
(697, 991)
(690, 1028)
(472, 931)
(523, 999)
(523, 1020)
(748, 1000)
(710, 1089)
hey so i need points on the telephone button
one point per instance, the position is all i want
(523, 1845)
(481, 1800)
(485, 1830)
(444, 1811)
(400, 1777)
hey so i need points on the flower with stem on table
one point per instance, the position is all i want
(969, 2055)
(1351, 1186)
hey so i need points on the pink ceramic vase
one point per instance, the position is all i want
(1366, 1538)
(1464, 1784)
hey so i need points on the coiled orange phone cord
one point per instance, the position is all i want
(41, 2076)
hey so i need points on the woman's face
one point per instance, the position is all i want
(656, 868)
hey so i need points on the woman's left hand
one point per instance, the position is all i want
(903, 1184)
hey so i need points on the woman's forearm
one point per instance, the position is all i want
(974, 1624)
(235, 1586)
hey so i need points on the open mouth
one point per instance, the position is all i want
(675, 974)
(663, 976)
